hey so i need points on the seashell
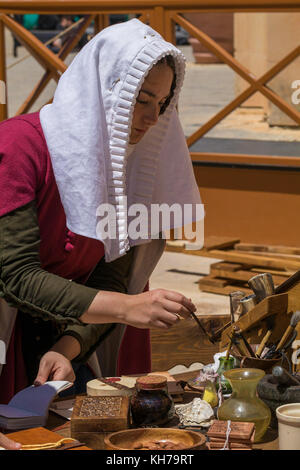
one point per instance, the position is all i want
(196, 413)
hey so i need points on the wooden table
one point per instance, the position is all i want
(62, 426)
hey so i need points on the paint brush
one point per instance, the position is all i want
(270, 324)
(293, 323)
(201, 326)
(240, 335)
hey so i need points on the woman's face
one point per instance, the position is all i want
(155, 90)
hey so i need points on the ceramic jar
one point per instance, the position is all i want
(151, 403)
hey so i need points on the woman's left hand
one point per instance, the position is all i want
(54, 366)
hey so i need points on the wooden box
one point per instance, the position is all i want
(95, 417)
(279, 308)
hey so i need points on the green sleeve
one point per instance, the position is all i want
(24, 284)
(111, 276)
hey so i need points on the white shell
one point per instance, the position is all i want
(196, 413)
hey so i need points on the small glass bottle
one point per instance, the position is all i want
(210, 394)
(225, 364)
(151, 403)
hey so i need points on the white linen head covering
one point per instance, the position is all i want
(87, 130)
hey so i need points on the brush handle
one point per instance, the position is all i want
(263, 343)
(284, 338)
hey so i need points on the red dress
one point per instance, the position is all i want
(25, 175)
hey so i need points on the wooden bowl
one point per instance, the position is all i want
(135, 439)
(256, 363)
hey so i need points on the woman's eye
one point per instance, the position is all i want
(141, 101)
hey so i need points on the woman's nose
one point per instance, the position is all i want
(151, 116)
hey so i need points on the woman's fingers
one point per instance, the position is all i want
(8, 444)
(54, 366)
(181, 300)
(159, 308)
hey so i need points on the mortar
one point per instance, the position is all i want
(275, 395)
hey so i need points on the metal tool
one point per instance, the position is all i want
(282, 377)
(274, 352)
(262, 285)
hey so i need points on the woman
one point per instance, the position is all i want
(110, 139)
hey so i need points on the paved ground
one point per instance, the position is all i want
(207, 89)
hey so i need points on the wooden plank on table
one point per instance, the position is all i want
(228, 266)
(225, 290)
(214, 281)
(234, 256)
(241, 275)
(175, 246)
(280, 272)
(273, 255)
(291, 250)
(214, 242)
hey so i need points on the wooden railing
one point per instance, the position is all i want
(163, 18)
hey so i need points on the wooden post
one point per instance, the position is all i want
(3, 94)
(169, 28)
(101, 22)
(159, 20)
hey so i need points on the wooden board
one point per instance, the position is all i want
(221, 270)
(185, 343)
(38, 436)
(210, 243)
(214, 242)
(225, 290)
(291, 250)
(272, 255)
(282, 272)
(265, 260)
(239, 257)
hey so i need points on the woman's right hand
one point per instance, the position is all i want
(158, 308)
(8, 444)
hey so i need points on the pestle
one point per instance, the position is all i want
(282, 377)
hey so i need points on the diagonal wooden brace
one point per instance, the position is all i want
(238, 68)
(48, 75)
(46, 58)
(243, 96)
